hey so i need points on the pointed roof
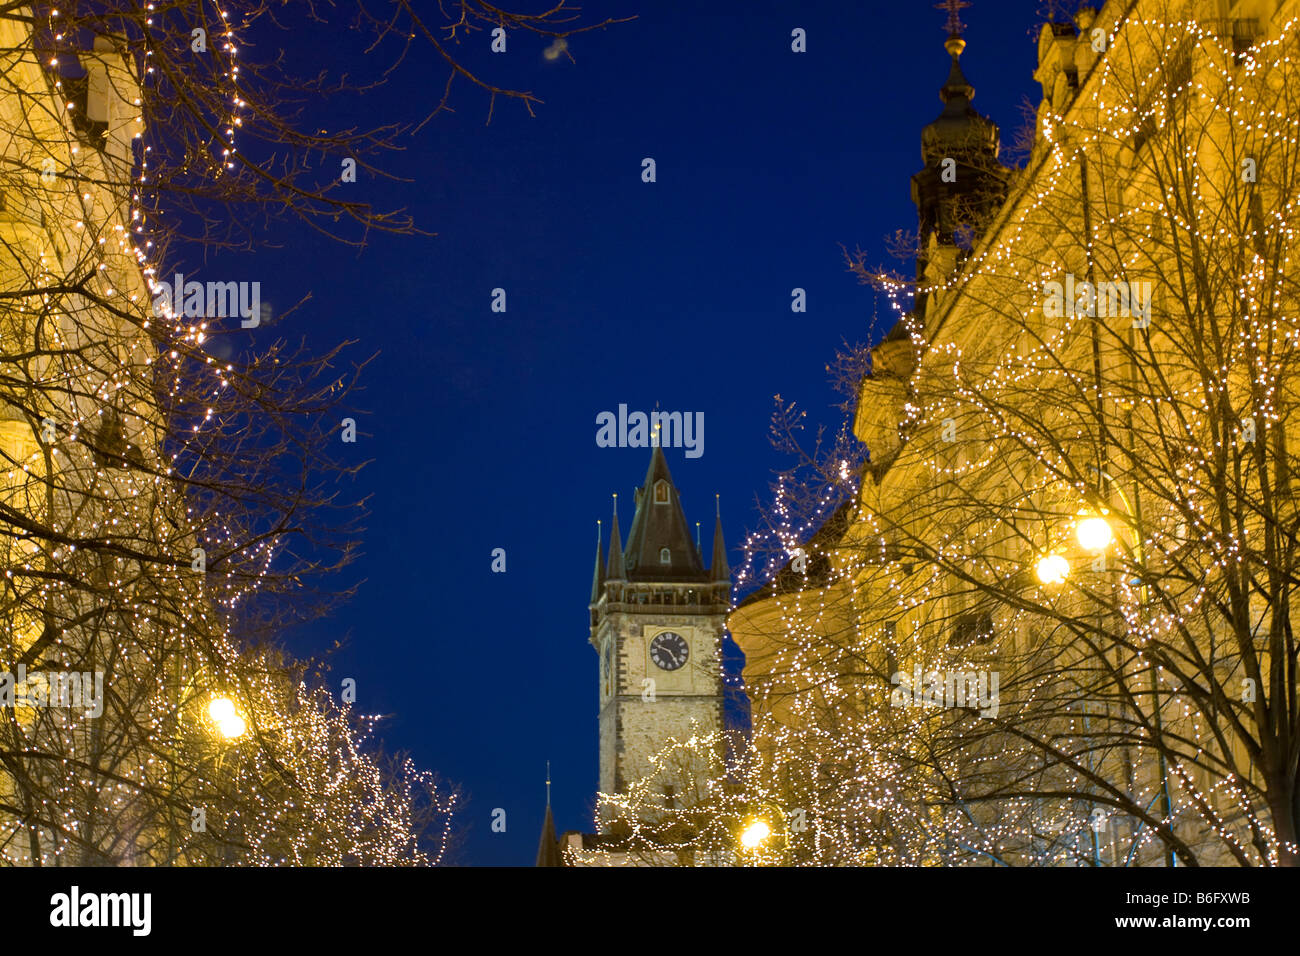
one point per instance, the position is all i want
(598, 574)
(957, 86)
(548, 848)
(818, 572)
(719, 571)
(959, 131)
(660, 523)
(615, 570)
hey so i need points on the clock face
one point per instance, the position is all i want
(669, 651)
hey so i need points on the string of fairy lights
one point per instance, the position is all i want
(1121, 663)
(279, 771)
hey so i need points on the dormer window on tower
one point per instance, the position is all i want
(665, 556)
(661, 492)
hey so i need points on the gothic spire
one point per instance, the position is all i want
(598, 574)
(548, 847)
(615, 570)
(718, 570)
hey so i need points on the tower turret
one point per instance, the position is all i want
(615, 571)
(963, 183)
(719, 571)
(597, 579)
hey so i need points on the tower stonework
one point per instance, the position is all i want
(657, 620)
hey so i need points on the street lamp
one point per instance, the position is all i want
(755, 834)
(1093, 532)
(1137, 554)
(1052, 569)
(229, 724)
(764, 838)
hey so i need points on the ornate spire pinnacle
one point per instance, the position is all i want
(957, 86)
(955, 211)
(954, 25)
(719, 570)
(955, 45)
(598, 574)
(615, 570)
(548, 847)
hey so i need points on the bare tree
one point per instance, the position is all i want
(169, 503)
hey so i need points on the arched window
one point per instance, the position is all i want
(665, 556)
(661, 492)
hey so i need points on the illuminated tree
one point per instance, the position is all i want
(171, 496)
(694, 820)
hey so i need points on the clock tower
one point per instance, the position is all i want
(657, 618)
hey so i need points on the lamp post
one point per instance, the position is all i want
(225, 719)
(230, 727)
(1094, 534)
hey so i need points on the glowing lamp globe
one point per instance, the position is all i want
(1052, 569)
(1094, 533)
(755, 834)
(221, 709)
(233, 728)
(229, 724)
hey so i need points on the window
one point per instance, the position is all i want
(1245, 34)
(665, 556)
(111, 448)
(1146, 128)
(661, 492)
(890, 639)
(1157, 107)
(1158, 225)
(1238, 32)
(972, 629)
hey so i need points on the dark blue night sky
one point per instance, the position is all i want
(482, 425)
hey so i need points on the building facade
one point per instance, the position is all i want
(70, 339)
(1069, 489)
